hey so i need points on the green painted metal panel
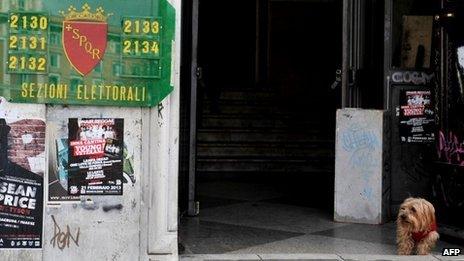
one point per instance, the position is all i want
(109, 52)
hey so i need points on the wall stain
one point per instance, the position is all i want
(112, 207)
(89, 204)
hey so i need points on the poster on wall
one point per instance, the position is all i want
(22, 167)
(417, 117)
(58, 170)
(88, 52)
(95, 156)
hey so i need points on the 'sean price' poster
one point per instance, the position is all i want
(95, 156)
(22, 166)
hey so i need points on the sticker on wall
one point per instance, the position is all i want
(95, 156)
(22, 167)
(417, 117)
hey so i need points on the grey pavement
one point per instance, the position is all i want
(259, 226)
(319, 257)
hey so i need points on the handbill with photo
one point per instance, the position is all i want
(22, 166)
(58, 170)
(95, 156)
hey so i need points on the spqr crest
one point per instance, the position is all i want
(84, 37)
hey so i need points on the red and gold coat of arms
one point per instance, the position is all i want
(84, 37)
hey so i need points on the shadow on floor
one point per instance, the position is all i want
(238, 218)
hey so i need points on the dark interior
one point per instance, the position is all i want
(266, 110)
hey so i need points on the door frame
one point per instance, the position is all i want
(353, 51)
(192, 209)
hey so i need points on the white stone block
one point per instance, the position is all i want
(359, 166)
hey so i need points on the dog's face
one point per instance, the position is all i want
(416, 214)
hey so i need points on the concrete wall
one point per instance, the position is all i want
(141, 224)
(120, 227)
(359, 167)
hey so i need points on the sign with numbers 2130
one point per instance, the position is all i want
(88, 53)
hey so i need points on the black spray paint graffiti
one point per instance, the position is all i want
(61, 238)
(160, 114)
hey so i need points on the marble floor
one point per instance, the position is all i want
(246, 219)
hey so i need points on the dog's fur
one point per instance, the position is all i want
(416, 216)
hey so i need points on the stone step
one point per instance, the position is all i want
(289, 117)
(265, 165)
(280, 144)
(253, 135)
(272, 150)
(252, 131)
(242, 99)
(267, 109)
(242, 108)
(260, 122)
(264, 103)
(253, 95)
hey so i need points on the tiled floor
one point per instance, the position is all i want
(247, 219)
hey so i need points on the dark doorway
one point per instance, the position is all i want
(265, 124)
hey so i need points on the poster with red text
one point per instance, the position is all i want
(417, 117)
(95, 156)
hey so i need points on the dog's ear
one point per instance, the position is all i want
(422, 216)
(427, 215)
(430, 211)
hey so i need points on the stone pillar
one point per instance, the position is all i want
(360, 179)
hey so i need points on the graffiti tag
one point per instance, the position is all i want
(450, 148)
(62, 239)
(361, 143)
(412, 77)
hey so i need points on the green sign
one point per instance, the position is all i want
(107, 52)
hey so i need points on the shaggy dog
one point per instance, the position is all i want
(416, 227)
